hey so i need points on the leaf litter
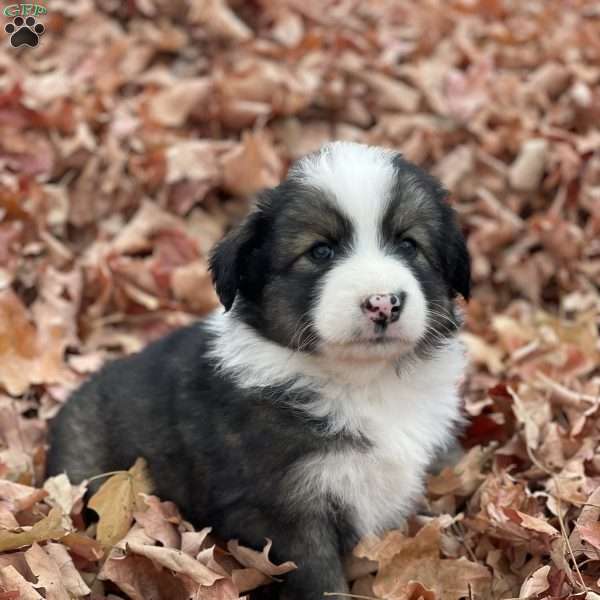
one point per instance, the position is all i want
(133, 137)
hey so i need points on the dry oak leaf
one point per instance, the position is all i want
(219, 20)
(49, 528)
(404, 561)
(462, 479)
(139, 578)
(18, 345)
(83, 546)
(159, 520)
(259, 560)
(536, 583)
(587, 526)
(194, 160)
(11, 579)
(17, 497)
(192, 542)
(172, 106)
(64, 495)
(483, 353)
(251, 166)
(116, 501)
(146, 223)
(177, 561)
(590, 533)
(48, 574)
(530, 522)
(70, 576)
(527, 170)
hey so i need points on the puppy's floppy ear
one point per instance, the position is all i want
(457, 261)
(230, 260)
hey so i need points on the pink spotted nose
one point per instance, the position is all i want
(383, 309)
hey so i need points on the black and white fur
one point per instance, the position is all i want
(292, 415)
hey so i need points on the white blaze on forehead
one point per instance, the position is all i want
(359, 179)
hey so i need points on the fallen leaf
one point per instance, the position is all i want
(70, 577)
(252, 166)
(177, 561)
(172, 106)
(159, 520)
(48, 574)
(526, 172)
(536, 583)
(259, 560)
(11, 579)
(116, 501)
(49, 528)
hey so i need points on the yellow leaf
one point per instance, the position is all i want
(49, 528)
(116, 501)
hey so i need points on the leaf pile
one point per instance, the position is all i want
(134, 135)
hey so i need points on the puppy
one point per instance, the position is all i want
(309, 411)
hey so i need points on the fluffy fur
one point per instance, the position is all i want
(293, 415)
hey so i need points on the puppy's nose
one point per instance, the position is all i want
(384, 308)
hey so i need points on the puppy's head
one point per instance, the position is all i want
(355, 255)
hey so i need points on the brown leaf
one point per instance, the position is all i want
(251, 166)
(49, 528)
(590, 533)
(219, 19)
(532, 523)
(192, 284)
(193, 541)
(526, 172)
(404, 561)
(159, 520)
(259, 560)
(47, 573)
(462, 479)
(116, 501)
(18, 344)
(64, 495)
(483, 353)
(11, 579)
(194, 160)
(177, 561)
(139, 578)
(18, 497)
(172, 106)
(83, 546)
(536, 583)
(69, 575)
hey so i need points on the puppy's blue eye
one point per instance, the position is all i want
(408, 247)
(322, 252)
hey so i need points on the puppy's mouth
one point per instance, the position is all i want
(373, 341)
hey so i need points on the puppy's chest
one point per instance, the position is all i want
(377, 484)
(376, 488)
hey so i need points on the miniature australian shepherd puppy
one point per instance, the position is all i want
(309, 410)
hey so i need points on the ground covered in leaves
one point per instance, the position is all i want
(133, 136)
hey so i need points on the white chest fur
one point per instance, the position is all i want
(407, 417)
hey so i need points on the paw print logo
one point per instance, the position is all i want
(24, 32)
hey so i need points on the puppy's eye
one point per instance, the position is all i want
(408, 247)
(322, 252)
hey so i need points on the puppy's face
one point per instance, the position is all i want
(356, 255)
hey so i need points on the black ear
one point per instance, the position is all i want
(460, 270)
(456, 258)
(235, 255)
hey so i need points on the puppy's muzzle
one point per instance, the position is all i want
(384, 309)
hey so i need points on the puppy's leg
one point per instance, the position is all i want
(310, 541)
